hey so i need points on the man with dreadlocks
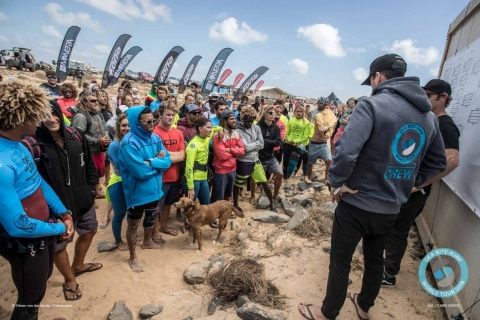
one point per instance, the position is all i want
(32, 214)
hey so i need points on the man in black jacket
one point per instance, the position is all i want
(271, 139)
(69, 169)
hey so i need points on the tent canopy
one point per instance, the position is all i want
(332, 97)
(271, 92)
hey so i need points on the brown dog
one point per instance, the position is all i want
(199, 215)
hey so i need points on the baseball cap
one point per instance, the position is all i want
(213, 94)
(134, 89)
(438, 86)
(192, 107)
(227, 114)
(385, 62)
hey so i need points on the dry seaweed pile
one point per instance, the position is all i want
(317, 226)
(246, 277)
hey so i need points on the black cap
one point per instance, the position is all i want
(227, 114)
(386, 62)
(438, 86)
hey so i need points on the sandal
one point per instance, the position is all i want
(159, 240)
(353, 298)
(89, 269)
(65, 289)
(170, 231)
(310, 314)
(252, 201)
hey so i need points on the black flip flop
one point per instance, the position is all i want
(355, 305)
(308, 305)
(89, 269)
(65, 289)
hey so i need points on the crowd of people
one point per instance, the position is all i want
(381, 154)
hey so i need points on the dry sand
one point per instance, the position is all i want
(298, 267)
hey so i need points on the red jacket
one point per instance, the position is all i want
(65, 103)
(283, 132)
(223, 161)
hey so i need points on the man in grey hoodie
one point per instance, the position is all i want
(249, 164)
(391, 145)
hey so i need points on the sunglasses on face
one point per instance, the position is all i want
(68, 91)
(51, 77)
(270, 113)
(93, 101)
(195, 113)
(149, 122)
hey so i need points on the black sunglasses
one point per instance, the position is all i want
(270, 113)
(195, 113)
(68, 91)
(51, 77)
(93, 101)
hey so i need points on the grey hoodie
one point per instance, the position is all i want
(252, 139)
(391, 144)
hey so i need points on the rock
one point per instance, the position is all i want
(302, 185)
(233, 226)
(288, 193)
(243, 235)
(196, 272)
(278, 205)
(253, 311)
(263, 202)
(327, 249)
(222, 239)
(241, 300)
(300, 199)
(299, 216)
(188, 318)
(360, 247)
(328, 207)
(104, 246)
(212, 306)
(317, 186)
(216, 263)
(149, 311)
(120, 312)
(287, 187)
(286, 204)
(309, 203)
(271, 217)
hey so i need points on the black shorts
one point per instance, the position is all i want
(150, 210)
(170, 194)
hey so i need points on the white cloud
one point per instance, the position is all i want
(132, 9)
(81, 19)
(298, 66)
(434, 71)
(51, 31)
(324, 37)
(228, 30)
(3, 17)
(412, 54)
(357, 50)
(3, 39)
(102, 49)
(360, 74)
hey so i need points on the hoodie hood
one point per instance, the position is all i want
(43, 131)
(91, 86)
(409, 88)
(133, 115)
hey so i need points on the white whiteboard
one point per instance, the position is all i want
(462, 71)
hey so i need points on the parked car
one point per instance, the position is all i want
(9, 58)
(72, 66)
(130, 75)
(145, 77)
(173, 81)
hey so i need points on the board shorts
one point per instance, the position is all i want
(84, 224)
(223, 185)
(249, 169)
(318, 151)
(272, 166)
(170, 194)
(99, 160)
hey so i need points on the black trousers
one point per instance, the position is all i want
(398, 242)
(287, 151)
(350, 226)
(30, 275)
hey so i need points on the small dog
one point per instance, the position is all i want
(199, 215)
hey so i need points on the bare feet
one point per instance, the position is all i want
(122, 246)
(307, 180)
(169, 231)
(157, 238)
(252, 201)
(311, 312)
(150, 245)
(105, 221)
(135, 265)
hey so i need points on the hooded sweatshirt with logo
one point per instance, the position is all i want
(271, 139)
(391, 144)
(142, 183)
(252, 140)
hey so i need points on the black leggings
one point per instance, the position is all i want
(150, 209)
(287, 151)
(30, 275)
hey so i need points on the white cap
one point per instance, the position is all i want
(135, 89)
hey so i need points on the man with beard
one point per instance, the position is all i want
(91, 122)
(257, 104)
(187, 125)
(227, 146)
(51, 87)
(143, 159)
(189, 99)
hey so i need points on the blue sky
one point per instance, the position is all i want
(311, 47)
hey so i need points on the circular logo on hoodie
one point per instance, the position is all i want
(408, 143)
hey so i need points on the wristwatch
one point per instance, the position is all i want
(66, 215)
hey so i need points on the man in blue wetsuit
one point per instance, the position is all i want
(32, 214)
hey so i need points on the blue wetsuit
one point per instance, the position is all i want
(21, 180)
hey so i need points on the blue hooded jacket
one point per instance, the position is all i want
(142, 183)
